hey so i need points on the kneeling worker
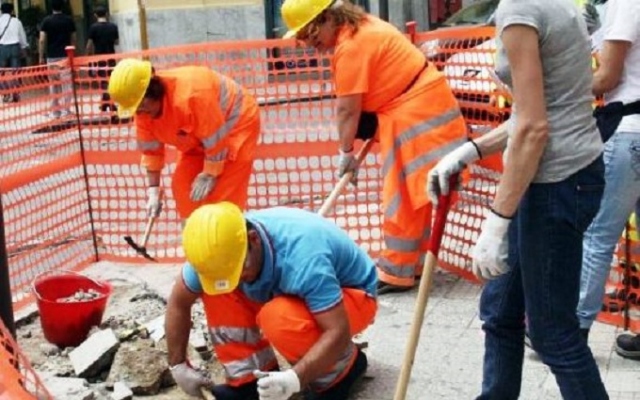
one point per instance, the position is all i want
(279, 278)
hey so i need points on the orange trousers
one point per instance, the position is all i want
(231, 185)
(415, 131)
(243, 331)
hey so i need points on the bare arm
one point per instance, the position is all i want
(348, 114)
(178, 321)
(493, 141)
(531, 127)
(330, 346)
(89, 48)
(611, 60)
(42, 40)
(73, 40)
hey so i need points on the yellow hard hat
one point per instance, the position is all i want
(215, 243)
(297, 14)
(128, 83)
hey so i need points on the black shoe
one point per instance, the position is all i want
(340, 391)
(248, 391)
(384, 288)
(628, 346)
(584, 332)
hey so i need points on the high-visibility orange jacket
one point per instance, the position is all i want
(201, 109)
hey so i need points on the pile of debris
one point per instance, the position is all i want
(125, 356)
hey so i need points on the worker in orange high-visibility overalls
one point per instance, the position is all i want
(278, 278)
(210, 119)
(385, 89)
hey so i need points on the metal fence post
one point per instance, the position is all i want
(71, 52)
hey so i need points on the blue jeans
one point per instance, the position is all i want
(545, 256)
(9, 58)
(622, 175)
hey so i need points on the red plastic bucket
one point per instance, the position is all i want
(67, 324)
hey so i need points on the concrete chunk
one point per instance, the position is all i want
(68, 388)
(155, 327)
(121, 392)
(141, 366)
(94, 354)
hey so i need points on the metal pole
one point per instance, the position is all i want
(6, 301)
(71, 53)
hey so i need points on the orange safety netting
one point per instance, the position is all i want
(18, 381)
(72, 186)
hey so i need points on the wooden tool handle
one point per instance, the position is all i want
(430, 262)
(344, 181)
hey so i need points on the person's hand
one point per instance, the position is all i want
(154, 201)
(452, 163)
(202, 185)
(277, 385)
(492, 248)
(347, 163)
(190, 380)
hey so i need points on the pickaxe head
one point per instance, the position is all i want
(139, 249)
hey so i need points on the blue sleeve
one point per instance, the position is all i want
(316, 282)
(191, 279)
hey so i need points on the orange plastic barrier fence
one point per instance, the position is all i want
(621, 306)
(18, 381)
(72, 187)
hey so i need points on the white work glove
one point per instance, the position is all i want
(154, 201)
(202, 186)
(492, 248)
(452, 163)
(277, 385)
(347, 163)
(190, 380)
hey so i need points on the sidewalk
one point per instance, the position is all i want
(448, 362)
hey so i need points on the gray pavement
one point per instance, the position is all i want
(448, 363)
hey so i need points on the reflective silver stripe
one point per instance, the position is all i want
(259, 360)
(393, 206)
(399, 271)
(416, 130)
(219, 156)
(419, 162)
(232, 119)
(400, 244)
(149, 145)
(226, 334)
(326, 380)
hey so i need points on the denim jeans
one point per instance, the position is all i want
(9, 58)
(622, 176)
(545, 256)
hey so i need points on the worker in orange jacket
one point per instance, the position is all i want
(279, 278)
(385, 89)
(210, 119)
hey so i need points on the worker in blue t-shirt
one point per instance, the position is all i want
(279, 278)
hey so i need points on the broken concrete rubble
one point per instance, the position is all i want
(95, 354)
(141, 366)
(127, 351)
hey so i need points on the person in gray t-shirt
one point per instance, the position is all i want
(529, 250)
